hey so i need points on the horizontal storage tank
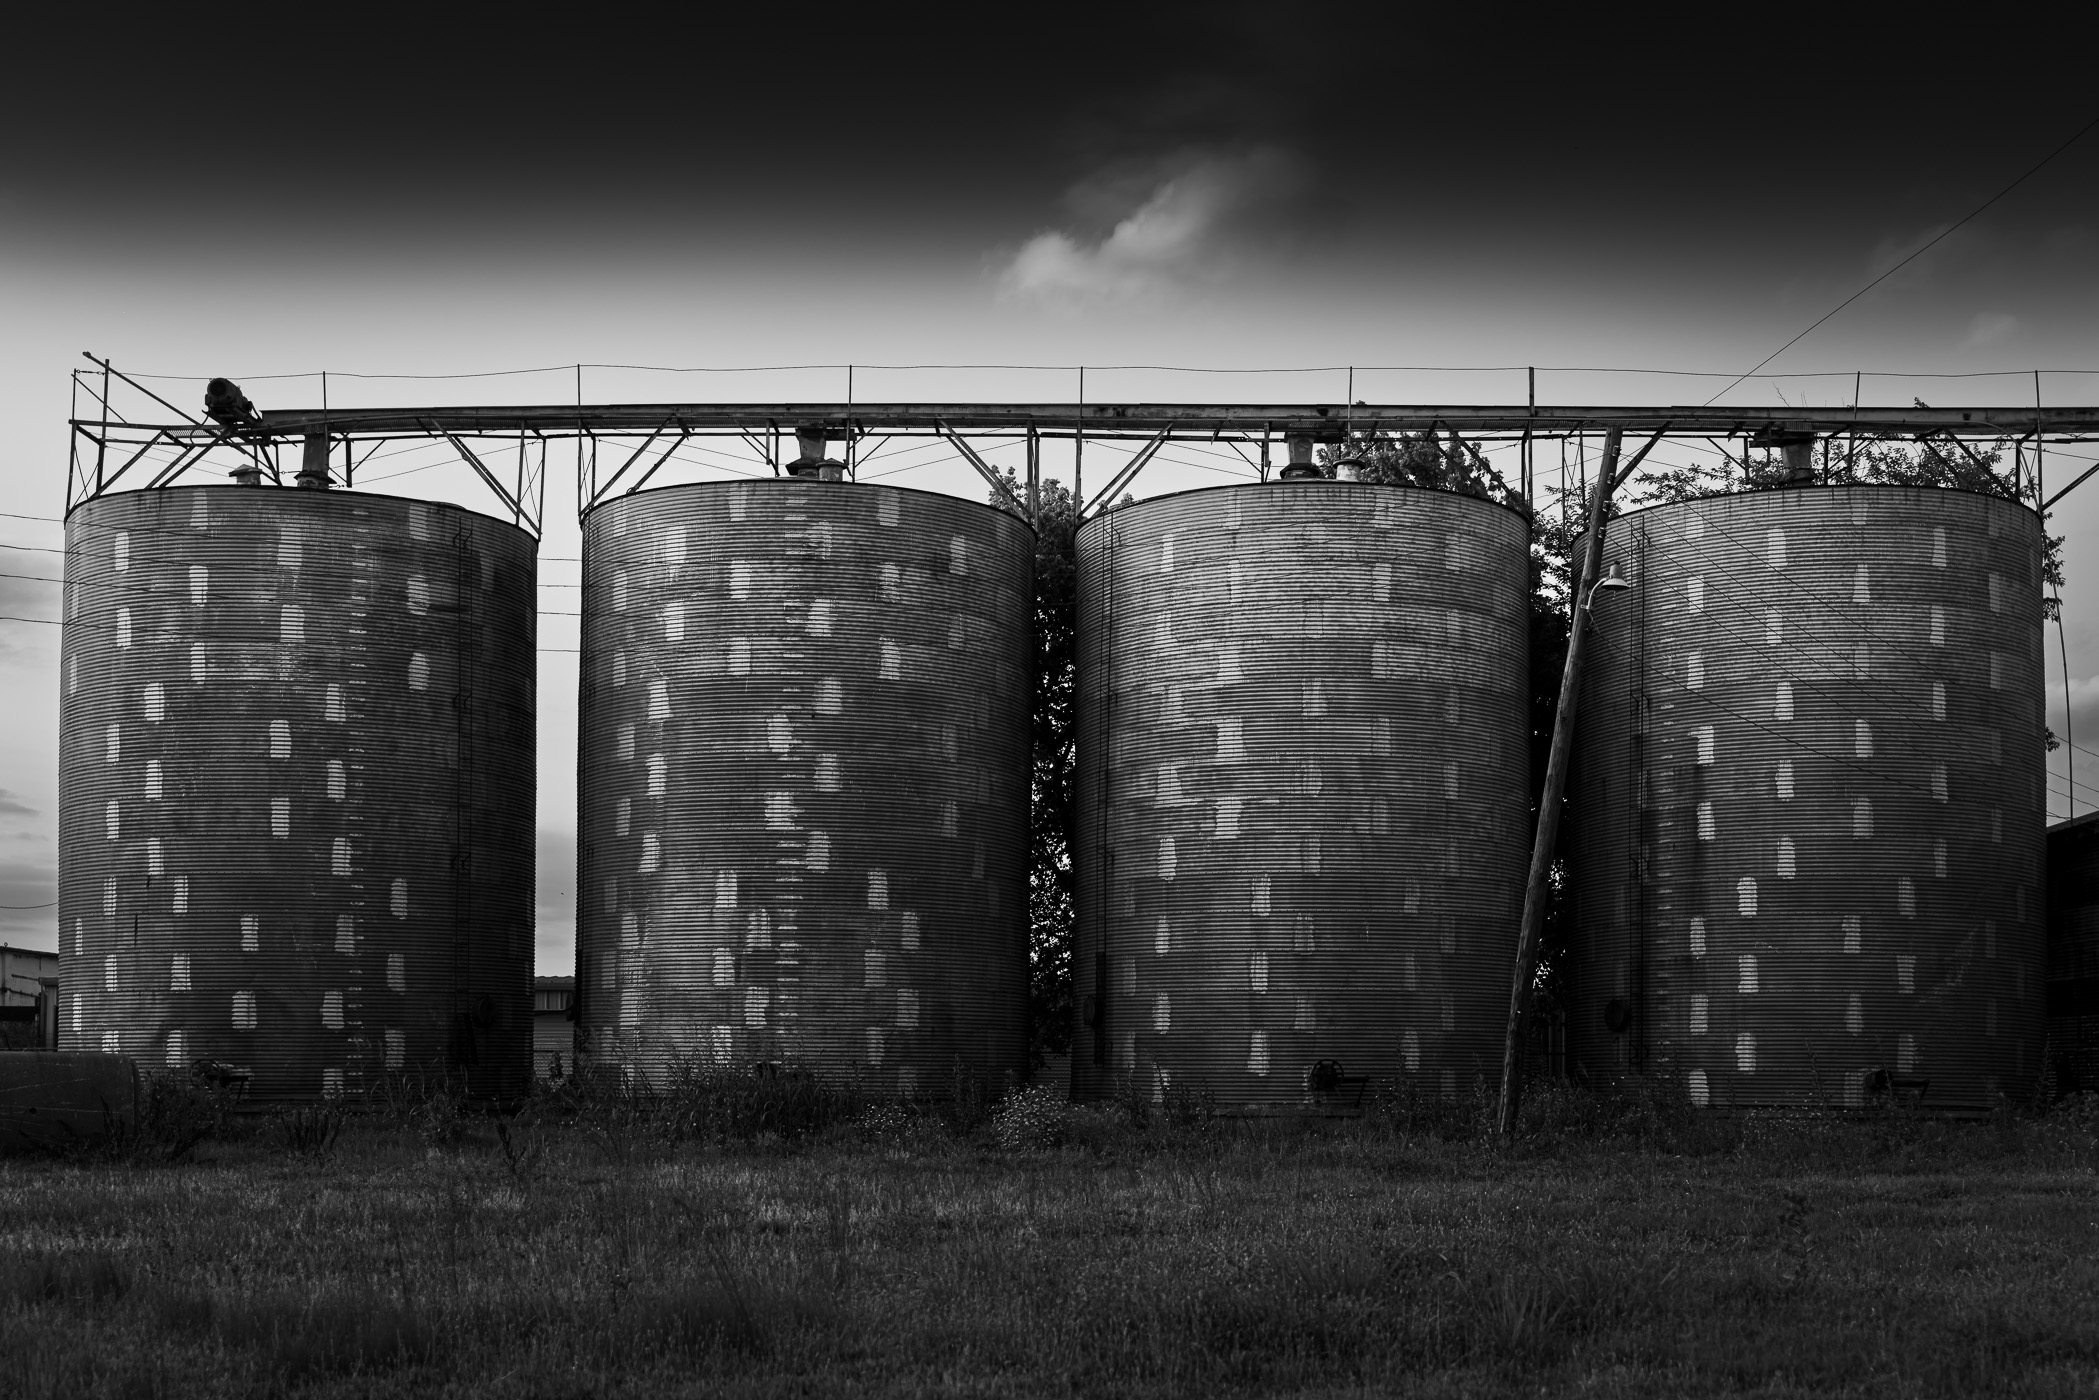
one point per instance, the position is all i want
(805, 760)
(2073, 954)
(1303, 793)
(296, 788)
(1807, 801)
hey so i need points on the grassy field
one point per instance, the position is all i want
(609, 1248)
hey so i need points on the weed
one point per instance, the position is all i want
(1031, 1120)
(73, 1277)
(312, 1129)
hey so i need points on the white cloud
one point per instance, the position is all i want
(1181, 232)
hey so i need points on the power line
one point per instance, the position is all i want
(1914, 256)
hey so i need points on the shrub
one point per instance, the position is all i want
(1031, 1120)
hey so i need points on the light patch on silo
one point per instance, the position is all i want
(1745, 897)
(199, 584)
(123, 550)
(892, 661)
(251, 934)
(418, 521)
(1992, 744)
(244, 1011)
(878, 889)
(1257, 1053)
(332, 707)
(1231, 745)
(724, 967)
(1938, 782)
(1997, 824)
(280, 738)
(1783, 779)
(1694, 671)
(1231, 583)
(178, 1049)
(1413, 897)
(1906, 898)
(123, 627)
(1228, 670)
(1705, 821)
(1174, 713)
(339, 856)
(338, 780)
(674, 622)
(1938, 700)
(1260, 902)
(418, 592)
(113, 742)
(1697, 937)
(909, 933)
(111, 1043)
(1774, 629)
(1168, 861)
(396, 1049)
(1694, 594)
(1938, 859)
(1861, 587)
(779, 735)
(109, 974)
(156, 702)
(659, 702)
(1410, 1051)
(1938, 625)
(1303, 938)
(1699, 1005)
(1905, 1053)
(1996, 593)
(154, 866)
(1162, 632)
(153, 779)
(331, 1083)
(1746, 975)
(1775, 548)
(818, 855)
(199, 666)
(178, 973)
(181, 900)
(332, 1010)
(779, 812)
(622, 815)
(112, 818)
(624, 743)
(754, 1001)
(1938, 546)
(280, 817)
(1862, 739)
(1169, 784)
(619, 668)
(1228, 818)
(830, 775)
(1380, 817)
(1905, 973)
(874, 968)
(619, 591)
(651, 853)
(1701, 1092)
(672, 540)
(819, 617)
(1303, 1016)
(830, 696)
(1861, 817)
(1782, 701)
(1786, 858)
(630, 931)
(1996, 670)
(397, 899)
(1854, 933)
(1381, 581)
(1745, 1053)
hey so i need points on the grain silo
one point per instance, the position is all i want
(803, 793)
(1303, 793)
(296, 788)
(1807, 801)
(2073, 953)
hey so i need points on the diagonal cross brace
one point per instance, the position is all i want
(517, 509)
(998, 483)
(1129, 472)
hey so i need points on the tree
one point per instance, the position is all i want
(1050, 809)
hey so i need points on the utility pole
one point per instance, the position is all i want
(1536, 891)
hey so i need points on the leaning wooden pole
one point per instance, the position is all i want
(1536, 891)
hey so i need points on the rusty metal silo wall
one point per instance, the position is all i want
(803, 785)
(1303, 792)
(1807, 801)
(2073, 954)
(296, 781)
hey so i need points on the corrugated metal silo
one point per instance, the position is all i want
(1303, 791)
(805, 761)
(296, 779)
(2073, 953)
(1808, 801)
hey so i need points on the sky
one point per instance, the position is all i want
(1224, 186)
